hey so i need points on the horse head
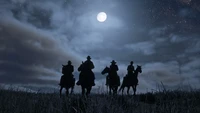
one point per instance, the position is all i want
(105, 70)
(139, 69)
(80, 68)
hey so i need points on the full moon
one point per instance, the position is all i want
(101, 17)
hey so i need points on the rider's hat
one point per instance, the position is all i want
(69, 62)
(131, 62)
(113, 62)
(88, 57)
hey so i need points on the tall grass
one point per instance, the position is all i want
(160, 102)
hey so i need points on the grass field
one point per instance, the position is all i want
(160, 102)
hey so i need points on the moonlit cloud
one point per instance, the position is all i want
(147, 48)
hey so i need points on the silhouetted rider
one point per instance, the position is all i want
(113, 73)
(130, 68)
(113, 68)
(88, 66)
(68, 69)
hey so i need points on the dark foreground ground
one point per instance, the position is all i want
(161, 102)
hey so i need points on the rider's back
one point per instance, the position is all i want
(67, 70)
(130, 69)
(88, 65)
(114, 68)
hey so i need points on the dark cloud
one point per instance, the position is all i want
(37, 37)
(28, 53)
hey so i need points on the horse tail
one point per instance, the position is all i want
(61, 80)
(122, 87)
(118, 80)
(73, 82)
(123, 84)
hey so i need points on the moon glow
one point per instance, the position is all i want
(101, 17)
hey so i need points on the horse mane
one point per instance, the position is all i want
(80, 67)
(103, 71)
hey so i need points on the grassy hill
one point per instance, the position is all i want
(160, 102)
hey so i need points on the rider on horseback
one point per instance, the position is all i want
(130, 69)
(113, 67)
(113, 71)
(88, 63)
(68, 69)
(88, 66)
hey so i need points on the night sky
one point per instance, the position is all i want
(38, 36)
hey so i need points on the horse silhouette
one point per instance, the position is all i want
(86, 79)
(67, 83)
(112, 81)
(131, 81)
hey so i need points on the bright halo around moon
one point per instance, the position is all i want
(101, 17)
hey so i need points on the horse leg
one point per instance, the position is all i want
(134, 89)
(123, 90)
(72, 90)
(67, 91)
(61, 90)
(128, 88)
(120, 88)
(107, 89)
(115, 90)
(110, 88)
(88, 90)
(83, 90)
